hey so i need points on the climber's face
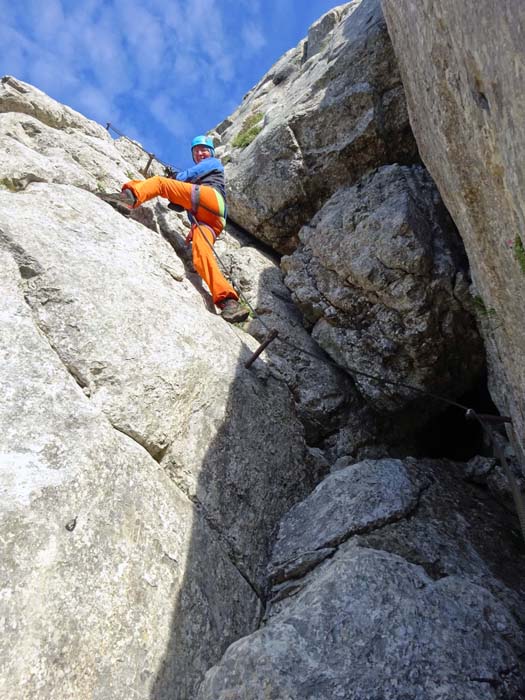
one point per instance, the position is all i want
(201, 153)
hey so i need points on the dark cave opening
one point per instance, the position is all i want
(451, 435)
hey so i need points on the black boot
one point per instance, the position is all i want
(121, 201)
(233, 312)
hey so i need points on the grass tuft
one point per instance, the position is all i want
(519, 253)
(249, 130)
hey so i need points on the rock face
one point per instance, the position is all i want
(167, 526)
(330, 110)
(377, 269)
(380, 276)
(464, 81)
(416, 606)
(138, 455)
(97, 543)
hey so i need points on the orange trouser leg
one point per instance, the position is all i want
(212, 207)
(206, 265)
(176, 191)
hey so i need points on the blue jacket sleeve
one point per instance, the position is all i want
(197, 171)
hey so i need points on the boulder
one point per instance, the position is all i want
(382, 280)
(409, 598)
(463, 70)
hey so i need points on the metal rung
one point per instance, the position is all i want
(271, 336)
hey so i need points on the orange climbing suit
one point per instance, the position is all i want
(207, 213)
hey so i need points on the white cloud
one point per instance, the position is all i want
(46, 18)
(103, 54)
(95, 104)
(253, 37)
(188, 71)
(170, 116)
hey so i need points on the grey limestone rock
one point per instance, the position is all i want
(331, 109)
(359, 497)
(100, 552)
(320, 389)
(380, 276)
(22, 98)
(144, 471)
(421, 599)
(463, 70)
(144, 468)
(123, 318)
(371, 625)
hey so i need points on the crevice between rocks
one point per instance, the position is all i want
(28, 266)
(228, 551)
(221, 541)
(156, 454)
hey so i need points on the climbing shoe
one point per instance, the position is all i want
(233, 312)
(121, 201)
(128, 198)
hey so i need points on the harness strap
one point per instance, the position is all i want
(196, 203)
(195, 199)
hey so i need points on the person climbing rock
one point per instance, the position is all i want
(200, 190)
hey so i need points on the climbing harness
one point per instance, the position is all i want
(196, 203)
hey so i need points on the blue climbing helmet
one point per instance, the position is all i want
(203, 141)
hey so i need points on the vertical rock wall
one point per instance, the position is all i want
(463, 69)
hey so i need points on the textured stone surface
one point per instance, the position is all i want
(321, 391)
(380, 276)
(426, 603)
(371, 625)
(131, 419)
(144, 470)
(463, 69)
(99, 548)
(458, 529)
(22, 98)
(123, 319)
(331, 109)
(363, 495)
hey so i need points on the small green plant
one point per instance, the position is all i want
(10, 185)
(519, 253)
(101, 184)
(482, 309)
(249, 130)
(130, 175)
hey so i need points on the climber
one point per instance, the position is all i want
(200, 190)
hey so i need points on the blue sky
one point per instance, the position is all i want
(161, 71)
